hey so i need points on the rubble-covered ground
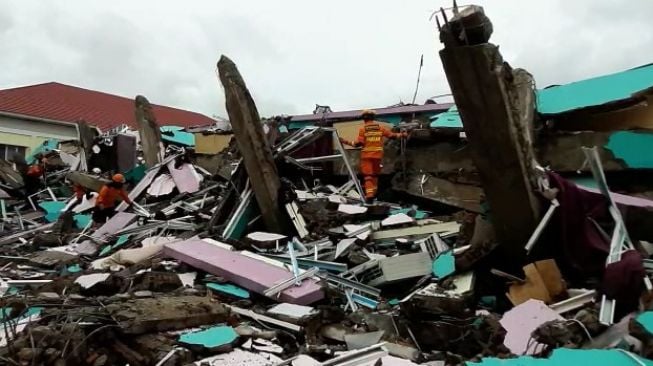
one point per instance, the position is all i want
(265, 253)
(188, 274)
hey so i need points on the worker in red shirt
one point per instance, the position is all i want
(105, 204)
(79, 192)
(371, 137)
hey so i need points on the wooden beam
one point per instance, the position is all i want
(252, 144)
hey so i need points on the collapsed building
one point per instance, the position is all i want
(514, 232)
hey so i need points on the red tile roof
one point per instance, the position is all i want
(68, 103)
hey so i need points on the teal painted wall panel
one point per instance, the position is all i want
(211, 337)
(634, 148)
(569, 357)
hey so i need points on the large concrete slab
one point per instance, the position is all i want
(166, 313)
(250, 273)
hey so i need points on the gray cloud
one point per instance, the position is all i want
(294, 54)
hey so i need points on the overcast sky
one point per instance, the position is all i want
(293, 54)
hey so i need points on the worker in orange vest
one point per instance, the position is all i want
(371, 137)
(105, 204)
(34, 176)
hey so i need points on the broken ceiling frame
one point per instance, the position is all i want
(364, 301)
(422, 228)
(46, 190)
(333, 267)
(344, 283)
(392, 269)
(264, 318)
(297, 219)
(318, 159)
(276, 289)
(363, 229)
(620, 240)
(574, 303)
(309, 134)
(235, 220)
(293, 261)
(363, 356)
(297, 140)
(540, 227)
(351, 304)
(350, 170)
(191, 206)
(153, 225)
(20, 218)
(648, 265)
(22, 234)
(433, 245)
(3, 211)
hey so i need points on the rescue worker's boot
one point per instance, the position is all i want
(370, 188)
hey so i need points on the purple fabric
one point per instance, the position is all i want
(624, 281)
(583, 248)
(581, 251)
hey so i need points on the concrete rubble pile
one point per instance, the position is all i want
(265, 252)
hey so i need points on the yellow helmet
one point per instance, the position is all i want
(368, 112)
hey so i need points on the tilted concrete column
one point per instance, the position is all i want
(496, 104)
(252, 144)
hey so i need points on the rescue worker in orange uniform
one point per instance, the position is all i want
(371, 137)
(35, 176)
(105, 204)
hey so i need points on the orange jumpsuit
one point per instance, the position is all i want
(371, 137)
(109, 195)
(106, 201)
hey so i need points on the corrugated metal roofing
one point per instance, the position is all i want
(379, 111)
(595, 91)
(68, 103)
